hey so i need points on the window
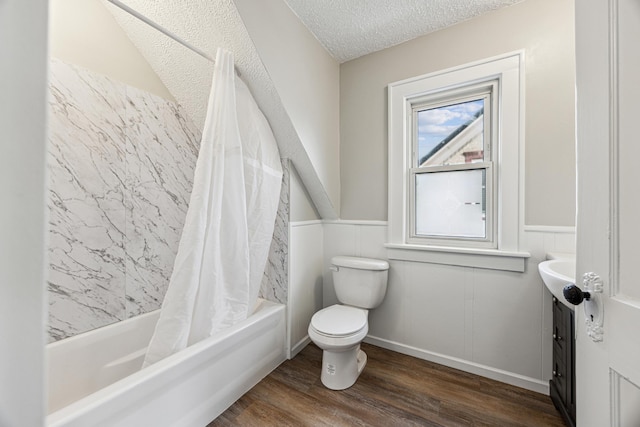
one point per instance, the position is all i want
(454, 165)
(451, 171)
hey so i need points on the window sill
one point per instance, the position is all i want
(491, 259)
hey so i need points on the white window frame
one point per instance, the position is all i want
(507, 147)
(488, 91)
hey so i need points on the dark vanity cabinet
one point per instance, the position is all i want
(563, 384)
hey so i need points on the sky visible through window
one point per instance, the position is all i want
(435, 124)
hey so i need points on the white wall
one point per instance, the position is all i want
(304, 296)
(84, 32)
(305, 279)
(305, 264)
(307, 80)
(544, 29)
(488, 322)
(301, 206)
(23, 78)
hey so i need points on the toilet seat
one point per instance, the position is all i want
(338, 321)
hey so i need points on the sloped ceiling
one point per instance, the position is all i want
(349, 29)
(209, 24)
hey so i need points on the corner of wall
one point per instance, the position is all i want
(23, 132)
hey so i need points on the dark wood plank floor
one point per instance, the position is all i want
(393, 390)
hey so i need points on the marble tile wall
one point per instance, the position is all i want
(121, 166)
(87, 216)
(275, 281)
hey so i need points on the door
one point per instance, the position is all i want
(608, 223)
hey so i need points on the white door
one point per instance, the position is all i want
(608, 225)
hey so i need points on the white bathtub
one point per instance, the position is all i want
(95, 378)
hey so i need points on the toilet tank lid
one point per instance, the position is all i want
(359, 263)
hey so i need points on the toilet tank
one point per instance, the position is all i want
(360, 282)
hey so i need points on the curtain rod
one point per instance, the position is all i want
(164, 31)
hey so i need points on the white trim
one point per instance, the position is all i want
(468, 65)
(288, 306)
(614, 150)
(355, 222)
(464, 365)
(509, 70)
(614, 396)
(521, 153)
(491, 259)
(470, 251)
(549, 229)
(562, 229)
(306, 223)
(300, 345)
(561, 255)
(424, 95)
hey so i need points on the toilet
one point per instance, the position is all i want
(360, 285)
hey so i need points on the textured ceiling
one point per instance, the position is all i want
(349, 29)
(206, 25)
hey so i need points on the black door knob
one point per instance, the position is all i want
(574, 294)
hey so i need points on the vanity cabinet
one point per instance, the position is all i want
(563, 384)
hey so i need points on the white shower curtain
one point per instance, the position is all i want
(229, 225)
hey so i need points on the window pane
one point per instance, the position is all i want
(451, 134)
(451, 204)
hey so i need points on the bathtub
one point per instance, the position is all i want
(95, 378)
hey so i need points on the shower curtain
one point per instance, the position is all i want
(229, 224)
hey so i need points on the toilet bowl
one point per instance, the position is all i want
(338, 330)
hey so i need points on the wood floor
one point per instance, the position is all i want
(393, 390)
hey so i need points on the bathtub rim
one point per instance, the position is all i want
(164, 370)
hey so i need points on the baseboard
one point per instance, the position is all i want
(464, 365)
(297, 348)
(557, 402)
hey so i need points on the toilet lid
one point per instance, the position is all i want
(339, 320)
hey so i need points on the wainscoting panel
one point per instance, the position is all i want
(489, 322)
(306, 282)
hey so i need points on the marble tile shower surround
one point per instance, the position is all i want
(275, 282)
(121, 165)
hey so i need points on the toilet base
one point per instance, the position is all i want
(341, 369)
